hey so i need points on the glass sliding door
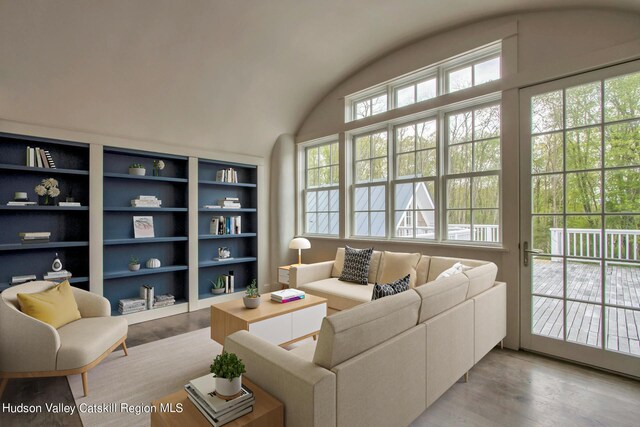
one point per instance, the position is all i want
(580, 228)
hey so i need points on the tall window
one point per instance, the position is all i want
(473, 174)
(416, 173)
(370, 184)
(321, 189)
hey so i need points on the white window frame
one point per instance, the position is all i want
(303, 188)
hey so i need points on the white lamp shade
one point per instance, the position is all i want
(299, 243)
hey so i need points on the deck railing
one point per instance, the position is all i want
(481, 233)
(585, 242)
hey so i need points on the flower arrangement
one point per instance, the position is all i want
(48, 188)
(158, 165)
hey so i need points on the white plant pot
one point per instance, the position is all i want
(225, 387)
(217, 291)
(134, 267)
(137, 171)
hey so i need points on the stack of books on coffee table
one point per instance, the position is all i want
(218, 411)
(287, 295)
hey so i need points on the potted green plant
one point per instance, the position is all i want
(218, 286)
(137, 169)
(227, 369)
(252, 296)
(134, 264)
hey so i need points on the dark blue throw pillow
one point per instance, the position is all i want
(400, 285)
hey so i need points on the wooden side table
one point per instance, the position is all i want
(267, 411)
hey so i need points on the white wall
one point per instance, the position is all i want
(537, 46)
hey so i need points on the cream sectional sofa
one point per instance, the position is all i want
(382, 362)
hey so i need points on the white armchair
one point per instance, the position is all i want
(30, 348)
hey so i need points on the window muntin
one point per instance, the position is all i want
(416, 92)
(472, 181)
(370, 169)
(321, 196)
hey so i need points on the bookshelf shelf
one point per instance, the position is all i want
(145, 177)
(225, 236)
(31, 169)
(221, 210)
(228, 184)
(110, 242)
(48, 245)
(214, 263)
(144, 272)
(145, 209)
(69, 225)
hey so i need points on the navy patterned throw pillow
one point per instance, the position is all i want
(400, 285)
(356, 265)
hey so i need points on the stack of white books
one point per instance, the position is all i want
(69, 204)
(287, 295)
(35, 237)
(230, 203)
(21, 203)
(17, 280)
(57, 275)
(146, 202)
(216, 410)
(164, 301)
(131, 305)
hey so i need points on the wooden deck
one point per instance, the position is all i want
(584, 321)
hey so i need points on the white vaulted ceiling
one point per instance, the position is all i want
(230, 75)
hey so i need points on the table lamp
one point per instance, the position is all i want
(299, 243)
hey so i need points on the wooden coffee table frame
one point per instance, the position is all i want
(232, 316)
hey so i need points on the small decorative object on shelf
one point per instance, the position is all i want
(134, 264)
(20, 196)
(137, 169)
(219, 286)
(153, 263)
(143, 227)
(47, 190)
(227, 369)
(147, 293)
(223, 254)
(56, 265)
(158, 165)
(252, 297)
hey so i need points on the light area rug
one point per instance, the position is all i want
(150, 371)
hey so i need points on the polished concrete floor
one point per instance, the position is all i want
(506, 388)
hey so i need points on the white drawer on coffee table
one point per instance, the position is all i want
(308, 320)
(276, 330)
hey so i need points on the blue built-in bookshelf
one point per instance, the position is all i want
(69, 226)
(170, 225)
(244, 245)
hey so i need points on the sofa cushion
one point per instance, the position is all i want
(422, 270)
(481, 278)
(386, 290)
(396, 265)
(442, 294)
(356, 265)
(339, 295)
(439, 264)
(56, 306)
(338, 265)
(348, 333)
(305, 351)
(83, 341)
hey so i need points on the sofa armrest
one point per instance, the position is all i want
(26, 344)
(301, 274)
(307, 390)
(90, 304)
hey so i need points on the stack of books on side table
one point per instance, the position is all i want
(216, 410)
(146, 202)
(57, 275)
(132, 305)
(287, 295)
(35, 237)
(164, 301)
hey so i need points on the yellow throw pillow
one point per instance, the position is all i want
(55, 306)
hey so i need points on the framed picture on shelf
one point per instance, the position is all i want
(143, 227)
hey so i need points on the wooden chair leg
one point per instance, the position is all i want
(124, 348)
(466, 377)
(315, 337)
(85, 384)
(3, 385)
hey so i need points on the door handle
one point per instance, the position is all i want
(527, 252)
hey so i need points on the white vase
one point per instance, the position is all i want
(137, 171)
(225, 387)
